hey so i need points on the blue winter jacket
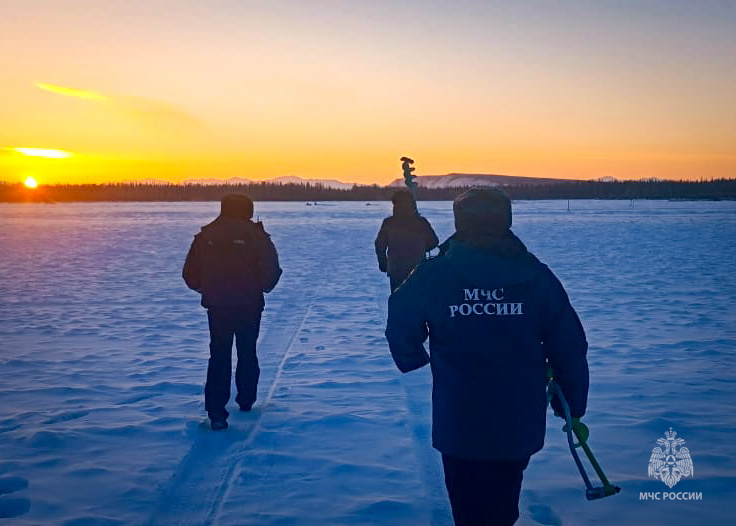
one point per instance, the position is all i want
(232, 262)
(494, 315)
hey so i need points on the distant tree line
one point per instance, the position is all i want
(266, 191)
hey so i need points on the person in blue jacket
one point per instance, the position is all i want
(231, 263)
(403, 239)
(495, 316)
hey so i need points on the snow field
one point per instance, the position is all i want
(103, 356)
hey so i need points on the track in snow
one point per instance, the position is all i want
(201, 484)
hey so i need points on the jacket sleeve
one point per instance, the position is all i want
(192, 272)
(268, 264)
(565, 346)
(430, 237)
(406, 329)
(381, 247)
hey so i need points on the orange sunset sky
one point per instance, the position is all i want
(173, 90)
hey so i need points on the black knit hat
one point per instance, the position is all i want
(238, 206)
(402, 196)
(482, 211)
(404, 202)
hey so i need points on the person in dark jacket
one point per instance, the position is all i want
(405, 236)
(231, 263)
(495, 316)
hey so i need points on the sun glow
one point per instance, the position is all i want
(41, 152)
(30, 182)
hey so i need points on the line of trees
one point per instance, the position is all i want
(713, 189)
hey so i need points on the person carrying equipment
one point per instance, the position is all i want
(495, 317)
(231, 263)
(403, 239)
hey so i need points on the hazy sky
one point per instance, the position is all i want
(175, 89)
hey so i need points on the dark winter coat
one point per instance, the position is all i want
(402, 242)
(232, 262)
(494, 315)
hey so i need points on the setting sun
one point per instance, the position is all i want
(30, 182)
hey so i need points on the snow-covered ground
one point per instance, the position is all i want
(103, 352)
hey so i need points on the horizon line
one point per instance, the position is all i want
(242, 181)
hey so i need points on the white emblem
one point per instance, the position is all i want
(672, 464)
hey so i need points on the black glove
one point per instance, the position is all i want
(556, 406)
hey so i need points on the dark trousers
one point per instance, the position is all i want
(483, 492)
(224, 325)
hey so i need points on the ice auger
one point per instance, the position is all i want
(591, 492)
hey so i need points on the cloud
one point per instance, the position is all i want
(42, 152)
(151, 112)
(72, 92)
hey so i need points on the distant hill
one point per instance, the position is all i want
(327, 183)
(457, 180)
(147, 181)
(451, 180)
(212, 181)
(284, 179)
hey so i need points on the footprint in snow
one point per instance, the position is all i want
(12, 484)
(544, 515)
(13, 506)
(10, 508)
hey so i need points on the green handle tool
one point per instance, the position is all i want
(591, 492)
